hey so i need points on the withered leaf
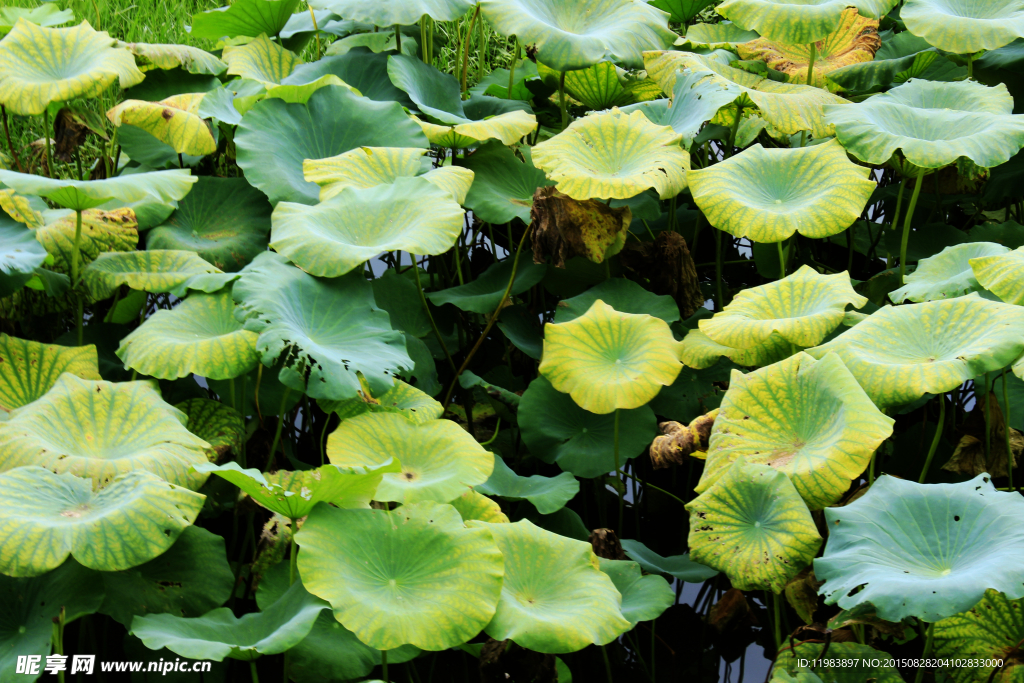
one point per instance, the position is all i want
(564, 227)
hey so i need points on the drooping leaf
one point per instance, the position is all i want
(29, 369)
(987, 632)
(404, 13)
(173, 121)
(161, 186)
(965, 27)
(149, 56)
(44, 517)
(244, 18)
(216, 423)
(797, 23)
(20, 208)
(261, 60)
(699, 351)
(678, 566)
(1001, 274)
(367, 167)
(923, 550)
(503, 185)
(483, 294)
(404, 399)
(643, 597)
(948, 274)
(47, 14)
(154, 270)
(548, 494)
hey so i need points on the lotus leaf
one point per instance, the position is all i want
(102, 232)
(965, 27)
(607, 360)
(199, 336)
(614, 155)
(484, 294)
(679, 567)
(29, 369)
(172, 120)
(622, 295)
(366, 167)
(340, 234)
(20, 255)
(155, 270)
(261, 60)
(396, 12)
(809, 419)
(989, 631)
(700, 352)
(503, 185)
(415, 575)
(923, 550)
(360, 68)
(294, 494)
(275, 137)
(899, 354)
(325, 331)
(681, 11)
(44, 517)
(797, 23)
(948, 274)
(216, 423)
(932, 123)
(598, 87)
(99, 429)
(554, 597)
(723, 34)
(439, 459)
(244, 18)
(150, 56)
(476, 506)
(547, 494)
(20, 209)
(41, 65)
(849, 663)
(1000, 273)
(753, 525)
(901, 57)
(402, 398)
(161, 186)
(44, 15)
(643, 597)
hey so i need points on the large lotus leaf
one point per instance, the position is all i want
(360, 68)
(901, 353)
(415, 575)
(261, 60)
(244, 18)
(567, 39)
(219, 633)
(484, 294)
(547, 494)
(102, 429)
(966, 26)
(439, 459)
(404, 399)
(392, 12)
(923, 550)
(643, 597)
(149, 56)
(102, 232)
(161, 186)
(42, 65)
(340, 234)
(614, 155)
(700, 352)
(29, 369)
(190, 579)
(991, 630)
(1001, 273)
(948, 274)
(797, 23)
(44, 517)
(224, 220)
(198, 336)
(503, 184)
(834, 663)
(855, 40)
(47, 14)
(678, 566)
(768, 195)
(932, 123)
(216, 423)
(173, 121)
(753, 525)
(275, 137)
(809, 419)
(324, 330)
(157, 270)
(20, 255)
(294, 494)
(554, 597)
(803, 308)
(789, 107)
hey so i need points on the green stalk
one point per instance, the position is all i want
(777, 619)
(465, 52)
(277, 431)
(654, 488)
(294, 559)
(423, 39)
(316, 32)
(10, 144)
(810, 64)
(935, 439)
(988, 421)
(782, 261)
(398, 40)
(618, 467)
(76, 256)
(433, 325)
(511, 71)
(482, 48)
(384, 665)
(731, 145)
(46, 136)
(252, 670)
(970, 66)
(720, 299)
(929, 641)
(58, 640)
(1006, 432)
(561, 101)
(906, 227)
(607, 664)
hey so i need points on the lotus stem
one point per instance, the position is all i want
(10, 144)
(906, 228)
(810, 64)
(398, 40)
(928, 642)
(277, 431)
(731, 145)
(423, 39)
(482, 52)
(988, 420)
(935, 439)
(654, 488)
(252, 670)
(465, 52)
(777, 620)
(561, 101)
(430, 316)
(231, 386)
(293, 560)
(511, 76)
(241, 409)
(384, 665)
(618, 466)
(46, 137)
(607, 664)
(75, 258)
(316, 31)
(970, 66)
(497, 429)
(782, 261)
(720, 297)
(1006, 432)
(58, 640)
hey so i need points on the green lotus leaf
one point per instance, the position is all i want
(607, 360)
(439, 459)
(189, 579)
(948, 274)
(402, 13)
(932, 123)
(340, 234)
(360, 68)
(556, 430)
(901, 57)
(99, 429)
(476, 506)
(566, 39)
(219, 633)
(614, 155)
(294, 494)
(415, 575)
(44, 517)
(46, 14)
(965, 27)
(102, 232)
(623, 295)
(838, 663)
(988, 631)
(554, 597)
(275, 137)
(261, 60)
(20, 255)
(216, 423)
(162, 186)
(643, 597)
(225, 103)
(224, 220)
(483, 294)
(598, 87)
(149, 56)
(382, 42)
(503, 185)
(768, 195)
(324, 330)
(199, 336)
(547, 494)
(753, 525)
(173, 121)
(244, 18)
(678, 567)
(809, 419)
(157, 270)
(700, 352)
(797, 23)
(41, 65)
(29, 369)
(1001, 273)
(802, 308)
(788, 107)
(899, 354)
(923, 550)
(404, 399)
(682, 11)
(723, 34)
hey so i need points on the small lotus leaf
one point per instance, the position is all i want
(404, 399)
(678, 566)
(923, 550)
(476, 506)
(44, 517)
(155, 270)
(548, 494)
(988, 632)
(643, 597)
(797, 23)
(244, 18)
(160, 186)
(172, 120)
(216, 423)
(965, 27)
(753, 525)
(261, 60)
(149, 56)
(29, 369)
(1001, 273)
(948, 274)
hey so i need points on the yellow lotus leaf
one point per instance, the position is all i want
(260, 60)
(799, 22)
(700, 352)
(173, 120)
(102, 231)
(1003, 275)
(29, 369)
(472, 505)
(19, 208)
(151, 56)
(509, 127)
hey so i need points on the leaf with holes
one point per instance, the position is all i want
(102, 232)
